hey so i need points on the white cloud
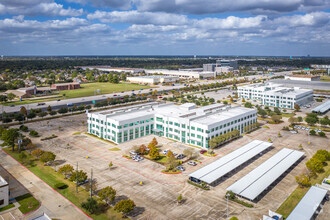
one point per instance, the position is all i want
(135, 17)
(37, 7)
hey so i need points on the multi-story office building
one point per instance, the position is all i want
(184, 123)
(209, 67)
(227, 63)
(4, 192)
(276, 95)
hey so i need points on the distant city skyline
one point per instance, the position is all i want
(165, 27)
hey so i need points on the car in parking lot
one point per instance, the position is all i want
(12, 106)
(192, 163)
(294, 132)
(165, 151)
(114, 95)
(132, 152)
(41, 103)
(202, 151)
(319, 130)
(181, 168)
(137, 158)
(180, 156)
(296, 126)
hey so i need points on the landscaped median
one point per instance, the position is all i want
(52, 178)
(27, 203)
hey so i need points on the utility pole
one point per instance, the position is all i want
(91, 184)
(19, 143)
(77, 179)
(227, 205)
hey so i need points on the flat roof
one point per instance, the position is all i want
(255, 182)
(304, 76)
(322, 108)
(153, 77)
(308, 204)
(229, 162)
(65, 84)
(3, 182)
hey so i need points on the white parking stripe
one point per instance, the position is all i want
(12, 215)
(2, 217)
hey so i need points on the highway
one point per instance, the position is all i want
(89, 99)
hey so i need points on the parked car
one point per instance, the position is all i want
(192, 163)
(202, 151)
(180, 156)
(12, 106)
(165, 152)
(42, 103)
(293, 132)
(181, 168)
(132, 152)
(114, 95)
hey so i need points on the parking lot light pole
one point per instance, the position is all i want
(227, 205)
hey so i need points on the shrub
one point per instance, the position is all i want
(322, 134)
(61, 186)
(53, 112)
(24, 128)
(34, 133)
(312, 132)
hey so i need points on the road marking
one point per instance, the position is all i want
(2, 217)
(12, 215)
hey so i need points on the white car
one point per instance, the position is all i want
(192, 163)
(293, 132)
(132, 152)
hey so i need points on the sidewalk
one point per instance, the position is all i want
(52, 203)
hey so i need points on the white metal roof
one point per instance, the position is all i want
(227, 163)
(255, 182)
(322, 108)
(308, 204)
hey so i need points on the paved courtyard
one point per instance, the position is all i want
(157, 196)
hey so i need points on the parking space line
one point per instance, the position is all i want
(12, 215)
(2, 217)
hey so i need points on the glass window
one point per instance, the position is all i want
(192, 128)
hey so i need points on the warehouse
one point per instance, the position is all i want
(276, 95)
(212, 173)
(184, 123)
(258, 180)
(155, 79)
(309, 204)
(182, 73)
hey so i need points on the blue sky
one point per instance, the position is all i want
(165, 27)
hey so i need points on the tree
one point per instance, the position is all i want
(188, 153)
(125, 206)
(236, 96)
(110, 164)
(9, 136)
(300, 119)
(303, 180)
(314, 165)
(233, 218)
(322, 134)
(91, 184)
(107, 194)
(324, 122)
(154, 154)
(277, 111)
(23, 158)
(11, 96)
(80, 175)
(325, 153)
(276, 118)
(171, 163)
(154, 141)
(42, 114)
(19, 117)
(248, 105)
(90, 205)
(170, 154)
(179, 199)
(312, 132)
(243, 100)
(31, 115)
(300, 146)
(291, 120)
(311, 120)
(49, 108)
(143, 149)
(296, 107)
(66, 170)
(23, 111)
(30, 147)
(47, 156)
(262, 112)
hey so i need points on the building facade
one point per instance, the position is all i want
(227, 63)
(154, 79)
(4, 192)
(276, 95)
(65, 86)
(303, 78)
(184, 123)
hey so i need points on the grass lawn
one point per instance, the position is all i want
(11, 205)
(325, 78)
(28, 203)
(88, 89)
(290, 203)
(76, 133)
(48, 175)
(288, 115)
(174, 171)
(114, 149)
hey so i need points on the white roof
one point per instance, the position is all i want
(322, 108)
(308, 204)
(3, 182)
(255, 182)
(227, 163)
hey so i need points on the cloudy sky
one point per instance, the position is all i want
(165, 27)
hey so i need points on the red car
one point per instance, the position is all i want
(114, 95)
(202, 151)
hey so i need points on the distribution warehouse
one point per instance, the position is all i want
(276, 95)
(184, 123)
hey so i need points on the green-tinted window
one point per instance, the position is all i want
(131, 124)
(183, 126)
(119, 127)
(192, 128)
(198, 136)
(136, 123)
(125, 125)
(192, 135)
(177, 124)
(113, 125)
(171, 123)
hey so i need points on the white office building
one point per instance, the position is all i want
(4, 192)
(182, 73)
(184, 123)
(276, 94)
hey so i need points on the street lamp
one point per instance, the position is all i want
(227, 205)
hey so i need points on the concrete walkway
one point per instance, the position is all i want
(52, 203)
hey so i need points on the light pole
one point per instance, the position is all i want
(227, 205)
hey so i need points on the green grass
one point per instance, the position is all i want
(11, 205)
(290, 203)
(114, 149)
(325, 78)
(288, 115)
(76, 133)
(48, 175)
(28, 203)
(174, 171)
(266, 127)
(105, 88)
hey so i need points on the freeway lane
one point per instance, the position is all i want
(89, 99)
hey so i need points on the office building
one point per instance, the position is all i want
(276, 95)
(209, 67)
(303, 77)
(182, 73)
(227, 63)
(4, 192)
(184, 123)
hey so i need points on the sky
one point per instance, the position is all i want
(165, 27)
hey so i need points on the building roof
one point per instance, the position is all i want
(3, 182)
(322, 108)
(255, 182)
(229, 162)
(66, 84)
(152, 77)
(308, 204)
(304, 76)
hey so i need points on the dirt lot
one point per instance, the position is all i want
(157, 196)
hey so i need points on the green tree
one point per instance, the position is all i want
(49, 108)
(125, 206)
(233, 218)
(42, 114)
(107, 194)
(276, 118)
(90, 205)
(154, 154)
(47, 156)
(296, 107)
(11, 96)
(262, 112)
(179, 199)
(314, 165)
(325, 153)
(80, 175)
(277, 111)
(170, 154)
(9, 136)
(300, 119)
(303, 180)
(37, 153)
(110, 164)
(248, 105)
(243, 100)
(66, 170)
(291, 120)
(311, 120)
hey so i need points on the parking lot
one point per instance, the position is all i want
(157, 194)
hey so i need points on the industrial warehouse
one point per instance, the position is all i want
(184, 123)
